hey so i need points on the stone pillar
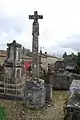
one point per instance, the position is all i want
(35, 45)
(35, 90)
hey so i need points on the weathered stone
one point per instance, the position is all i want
(34, 94)
(75, 86)
(35, 90)
(35, 44)
(72, 110)
(12, 64)
(60, 66)
(48, 93)
(13, 77)
(61, 80)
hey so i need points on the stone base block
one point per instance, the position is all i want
(34, 94)
(48, 93)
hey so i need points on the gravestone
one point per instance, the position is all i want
(75, 86)
(13, 64)
(34, 92)
(72, 109)
(13, 70)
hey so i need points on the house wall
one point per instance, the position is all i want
(2, 59)
(45, 59)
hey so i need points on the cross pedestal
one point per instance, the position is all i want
(35, 94)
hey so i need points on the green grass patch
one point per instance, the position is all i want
(2, 113)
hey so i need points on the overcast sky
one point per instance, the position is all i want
(59, 28)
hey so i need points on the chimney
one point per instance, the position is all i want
(40, 51)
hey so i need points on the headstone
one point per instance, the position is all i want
(13, 64)
(72, 109)
(13, 70)
(35, 90)
(75, 86)
(60, 66)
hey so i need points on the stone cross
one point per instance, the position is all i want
(35, 45)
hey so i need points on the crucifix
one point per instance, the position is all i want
(35, 45)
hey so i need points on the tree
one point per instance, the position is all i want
(78, 61)
(25, 51)
(64, 55)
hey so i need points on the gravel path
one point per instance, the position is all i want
(16, 110)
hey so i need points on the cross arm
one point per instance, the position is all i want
(31, 16)
(36, 17)
(40, 16)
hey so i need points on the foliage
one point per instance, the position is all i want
(78, 61)
(64, 55)
(2, 113)
(25, 51)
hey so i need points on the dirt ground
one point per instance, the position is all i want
(15, 110)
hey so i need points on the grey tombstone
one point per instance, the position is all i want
(75, 86)
(13, 64)
(72, 109)
(34, 92)
(13, 69)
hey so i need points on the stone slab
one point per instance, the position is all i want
(34, 94)
(75, 86)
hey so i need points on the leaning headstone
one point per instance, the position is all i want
(72, 109)
(35, 90)
(75, 86)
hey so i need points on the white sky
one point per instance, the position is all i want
(59, 28)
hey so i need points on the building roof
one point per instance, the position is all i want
(3, 53)
(26, 57)
(48, 55)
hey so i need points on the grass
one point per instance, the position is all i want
(2, 113)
